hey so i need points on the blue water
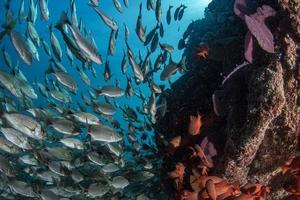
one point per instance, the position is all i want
(101, 33)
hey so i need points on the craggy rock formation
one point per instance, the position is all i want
(258, 107)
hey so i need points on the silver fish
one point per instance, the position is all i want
(84, 45)
(104, 133)
(106, 19)
(48, 176)
(86, 118)
(166, 47)
(119, 182)
(21, 13)
(177, 12)
(72, 143)
(25, 124)
(69, 56)
(58, 167)
(22, 83)
(110, 168)
(33, 50)
(57, 64)
(83, 76)
(8, 147)
(118, 5)
(46, 47)
(21, 46)
(126, 32)
(64, 126)
(32, 33)
(106, 108)
(73, 13)
(67, 80)
(150, 35)
(126, 3)
(139, 29)
(7, 80)
(55, 45)
(115, 148)
(60, 95)
(71, 43)
(112, 43)
(96, 158)
(5, 167)
(97, 190)
(6, 57)
(158, 10)
(150, 5)
(94, 2)
(32, 15)
(152, 108)
(21, 188)
(169, 14)
(110, 91)
(16, 137)
(168, 71)
(154, 42)
(48, 195)
(129, 89)
(135, 67)
(107, 72)
(28, 159)
(180, 14)
(44, 9)
(161, 30)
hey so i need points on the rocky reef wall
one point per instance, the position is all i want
(250, 116)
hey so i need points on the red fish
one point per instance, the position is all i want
(195, 125)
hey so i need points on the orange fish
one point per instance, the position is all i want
(201, 52)
(195, 125)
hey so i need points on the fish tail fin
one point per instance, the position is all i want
(62, 20)
(49, 70)
(90, 3)
(98, 92)
(7, 28)
(140, 8)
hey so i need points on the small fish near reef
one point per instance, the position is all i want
(201, 52)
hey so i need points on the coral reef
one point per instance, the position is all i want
(252, 118)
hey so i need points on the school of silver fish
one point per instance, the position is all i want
(69, 150)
